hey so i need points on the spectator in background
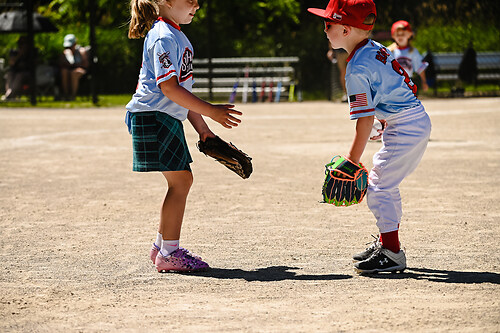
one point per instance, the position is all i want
(430, 72)
(339, 57)
(73, 65)
(467, 71)
(19, 69)
(404, 52)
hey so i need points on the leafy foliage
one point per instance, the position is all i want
(455, 38)
(259, 28)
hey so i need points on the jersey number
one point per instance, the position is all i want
(401, 71)
(382, 55)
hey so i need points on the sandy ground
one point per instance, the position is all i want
(76, 226)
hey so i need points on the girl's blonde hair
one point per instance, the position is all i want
(394, 45)
(143, 14)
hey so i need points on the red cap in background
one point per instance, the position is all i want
(402, 24)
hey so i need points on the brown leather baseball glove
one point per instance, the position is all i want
(228, 155)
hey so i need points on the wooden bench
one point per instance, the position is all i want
(252, 79)
(447, 64)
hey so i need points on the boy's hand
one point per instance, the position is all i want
(223, 114)
(345, 182)
(377, 129)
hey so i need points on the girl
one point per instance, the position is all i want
(407, 56)
(161, 102)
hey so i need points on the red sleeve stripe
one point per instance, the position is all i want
(362, 111)
(162, 76)
(189, 76)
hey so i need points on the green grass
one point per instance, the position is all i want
(444, 90)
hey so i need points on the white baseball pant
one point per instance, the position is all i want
(403, 144)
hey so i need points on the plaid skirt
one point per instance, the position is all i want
(158, 142)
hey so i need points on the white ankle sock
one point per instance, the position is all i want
(158, 240)
(169, 246)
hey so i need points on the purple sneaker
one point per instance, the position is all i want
(153, 252)
(186, 251)
(180, 261)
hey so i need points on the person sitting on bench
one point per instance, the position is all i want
(73, 64)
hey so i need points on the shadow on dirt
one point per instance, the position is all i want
(435, 275)
(268, 274)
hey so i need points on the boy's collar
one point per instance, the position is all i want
(176, 26)
(403, 48)
(360, 45)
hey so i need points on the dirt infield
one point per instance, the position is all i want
(76, 226)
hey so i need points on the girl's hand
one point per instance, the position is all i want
(223, 114)
(206, 134)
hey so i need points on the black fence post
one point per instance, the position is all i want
(93, 51)
(209, 50)
(28, 4)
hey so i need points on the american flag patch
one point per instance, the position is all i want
(355, 101)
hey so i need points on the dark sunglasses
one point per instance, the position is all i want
(328, 24)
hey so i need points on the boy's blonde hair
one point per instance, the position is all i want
(143, 14)
(369, 20)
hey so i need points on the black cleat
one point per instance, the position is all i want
(375, 245)
(382, 260)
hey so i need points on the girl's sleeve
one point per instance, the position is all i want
(165, 60)
(360, 96)
(418, 62)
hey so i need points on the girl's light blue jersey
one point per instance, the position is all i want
(167, 52)
(376, 83)
(410, 59)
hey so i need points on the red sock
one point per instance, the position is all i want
(390, 240)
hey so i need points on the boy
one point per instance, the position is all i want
(378, 86)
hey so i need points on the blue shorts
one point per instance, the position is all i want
(158, 142)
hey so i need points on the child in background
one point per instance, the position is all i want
(162, 100)
(377, 85)
(407, 56)
(338, 57)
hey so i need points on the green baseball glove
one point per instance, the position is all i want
(345, 183)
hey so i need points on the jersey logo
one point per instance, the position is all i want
(382, 55)
(187, 65)
(406, 63)
(164, 59)
(355, 101)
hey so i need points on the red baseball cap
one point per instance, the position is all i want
(348, 12)
(402, 24)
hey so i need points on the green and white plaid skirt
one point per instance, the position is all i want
(158, 142)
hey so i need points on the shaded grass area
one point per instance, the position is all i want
(79, 102)
(447, 89)
(444, 90)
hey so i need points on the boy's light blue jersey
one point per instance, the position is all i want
(376, 83)
(167, 52)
